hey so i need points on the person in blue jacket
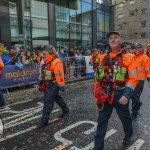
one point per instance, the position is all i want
(6, 58)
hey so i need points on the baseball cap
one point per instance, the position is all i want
(127, 47)
(113, 32)
(49, 47)
(138, 45)
(5, 51)
(95, 49)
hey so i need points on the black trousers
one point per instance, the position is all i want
(136, 97)
(1, 98)
(104, 115)
(50, 96)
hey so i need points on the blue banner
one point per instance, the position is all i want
(13, 76)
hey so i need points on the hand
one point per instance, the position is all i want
(61, 93)
(123, 100)
(61, 90)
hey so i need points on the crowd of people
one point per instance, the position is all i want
(119, 76)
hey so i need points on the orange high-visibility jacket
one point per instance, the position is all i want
(93, 58)
(1, 64)
(143, 66)
(56, 67)
(129, 64)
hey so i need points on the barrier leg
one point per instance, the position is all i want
(7, 91)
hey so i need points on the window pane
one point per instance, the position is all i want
(62, 14)
(62, 34)
(106, 23)
(39, 23)
(39, 33)
(75, 15)
(12, 8)
(100, 22)
(89, 1)
(39, 9)
(86, 14)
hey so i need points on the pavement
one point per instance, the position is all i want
(75, 132)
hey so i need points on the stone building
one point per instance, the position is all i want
(132, 20)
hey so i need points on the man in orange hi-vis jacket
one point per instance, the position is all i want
(143, 68)
(53, 77)
(95, 58)
(2, 103)
(116, 79)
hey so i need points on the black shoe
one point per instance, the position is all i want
(127, 142)
(133, 117)
(64, 114)
(42, 125)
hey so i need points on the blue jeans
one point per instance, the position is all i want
(1, 98)
(136, 97)
(104, 115)
(51, 95)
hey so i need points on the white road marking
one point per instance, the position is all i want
(22, 111)
(91, 145)
(5, 108)
(1, 128)
(24, 131)
(66, 142)
(16, 122)
(20, 102)
(110, 133)
(137, 145)
(18, 115)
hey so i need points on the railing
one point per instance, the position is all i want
(75, 67)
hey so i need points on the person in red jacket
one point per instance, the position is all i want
(95, 58)
(2, 103)
(53, 76)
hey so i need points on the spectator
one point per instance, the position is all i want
(88, 53)
(35, 57)
(29, 58)
(12, 52)
(71, 53)
(7, 59)
(78, 58)
(78, 54)
(1, 48)
(61, 54)
(23, 58)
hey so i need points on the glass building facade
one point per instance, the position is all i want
(63, 23)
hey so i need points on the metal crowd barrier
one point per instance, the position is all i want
(75, 67)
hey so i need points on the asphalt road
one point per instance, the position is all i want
(75, 132)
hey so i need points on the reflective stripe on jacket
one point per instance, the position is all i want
(129, 64)
(57, 68)
(142, 63)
